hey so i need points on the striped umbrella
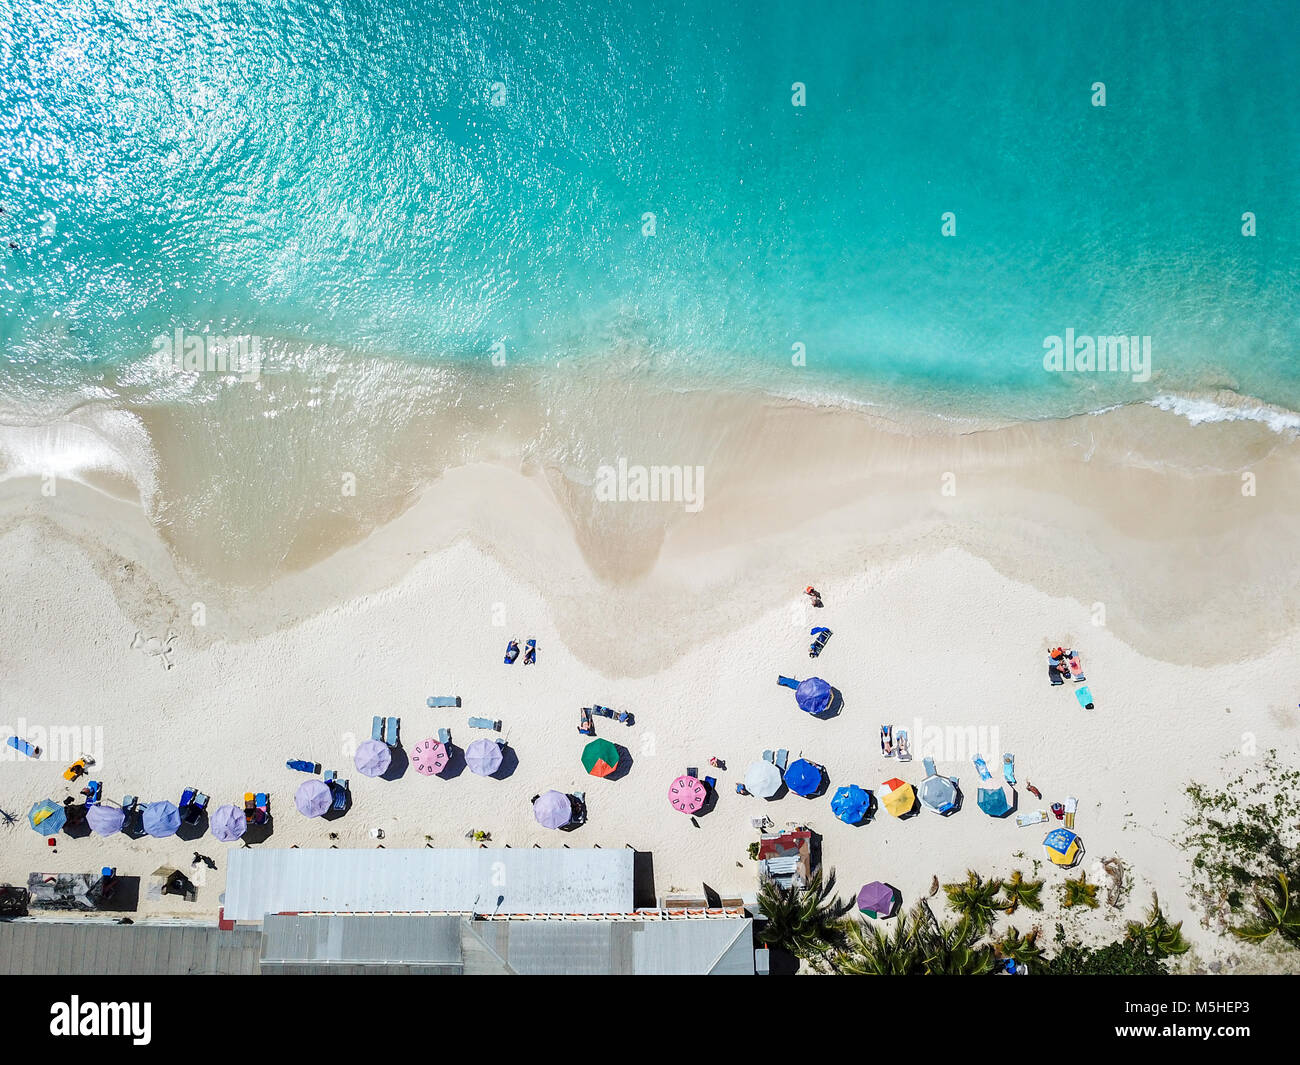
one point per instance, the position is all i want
(600, 758)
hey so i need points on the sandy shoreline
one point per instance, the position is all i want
(940, 604)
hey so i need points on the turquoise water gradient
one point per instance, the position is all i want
(339, 172)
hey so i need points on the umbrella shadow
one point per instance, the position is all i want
(624, 763)
(255, 834)
(398, 766)
(509, 763)
(76, 826)
(192, 832)
(833, 708)
(896, 906)
(456, 763)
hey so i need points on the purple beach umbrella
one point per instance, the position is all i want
(483, 757)
(553, 809)
(105, 820)
(227, 823)
(161, 819)
(876, 899)
(372, 758)
(313, 798)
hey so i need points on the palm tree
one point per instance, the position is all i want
(1022, 892)
(1279, 914)
(1020, 948)
(805, 919)
(951, 950)
(1079, 893)
(871, 951)
(1159, 938)
(975, 900)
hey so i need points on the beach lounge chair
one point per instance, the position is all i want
(1009, 769)
(929, 767)
(530, 653)
(75, 770)
(1076, 667)
(787, 682)
(444, 736)
(1085, 697)
(740, 789)
(902, 751)
(483, 722)
(820, 636)
(301, 765)
(339, 789)
(982, 767)
(711, 783)
(330, 774)
(129, 803)
(1031, 818)
(93, 791)
(512, 652)
(782, 757)
(377, 729)
(887, 740)
(1055, 673)
(1071, 808)
(23, 747)
(435, 701)
(393, 739)
(769, 756)
(692, 772)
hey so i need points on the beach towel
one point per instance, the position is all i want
(983, 767)
(1071, 808)
(902, 751)
(1076, 667)
(788, 682)
(1009, 769)
(1032, 817)
(301, 765)
(1085, 697)
(23, 747)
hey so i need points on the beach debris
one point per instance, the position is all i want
(159, 647)
(934, 886)
(1033, 790)
(1118, 883)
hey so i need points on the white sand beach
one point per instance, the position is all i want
(941, 609)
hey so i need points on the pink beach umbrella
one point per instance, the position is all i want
(429, 757)
(686, 794)
(313, 798)
(372, 758)
(483, 757)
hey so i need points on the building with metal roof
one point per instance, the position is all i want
(462, 881)
(91, 948)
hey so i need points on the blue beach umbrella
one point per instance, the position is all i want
(850, 804)
(993, 801)
(47, 817)
(803, 778)
(161, 819)
(939, 793)
(813, 696)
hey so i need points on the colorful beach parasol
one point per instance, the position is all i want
(553, 809)
(899, 797)
(813, 695)
(429, 757)
(47, 817)
(105, 820)
(161, 819)
(877, 899)
(687, 794)
(763, 779)
(600, 758)
(484, 757)
(313, 797)
(1062, 846)
(993, 801)
(850, 804)
(227, 823)
(372, 758)
(803, 778)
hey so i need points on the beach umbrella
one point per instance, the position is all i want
(899, 797)
(372, 758)
(161, 819)
(600, 758)
(47, 817)
(227, 823)
(763, 779)
(105, 820)
(1062, 846)
(851, 804)
(553, 809)
(430, 757)
(876, 899)
(993, 801)
(813, 695)
(313, 797)
(484, 757)
(687, 794)
(939, 793)
(803, 778)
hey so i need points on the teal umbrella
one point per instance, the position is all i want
(47, 817)
(993, 801)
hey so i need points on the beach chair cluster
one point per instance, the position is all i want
(338, 788)
(257, 807)
(530, 652)
(778, 758)
(192, 806)
(621, 716)
(894, 743)
(1063, 664)
(386, 730)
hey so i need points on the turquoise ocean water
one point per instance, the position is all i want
(426, 179)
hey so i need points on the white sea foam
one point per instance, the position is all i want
(1200, 410)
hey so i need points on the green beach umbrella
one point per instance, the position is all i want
(600, 758)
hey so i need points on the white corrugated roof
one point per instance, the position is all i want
(478, 880)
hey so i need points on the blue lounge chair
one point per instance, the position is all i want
(94, 791)
(331, 774)
(377, 729)
(691, 771)
(768, 756)
(339, 789)
(983, 767)
(435, 701)
(393, 740)
(740, 789)
(482, 722)
(444, 736)
(787, 682)
(820, 636)
(1009, 769)
(301, 765)
(782, 756)
(23, 747)
(512, 652)
(711, 783)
